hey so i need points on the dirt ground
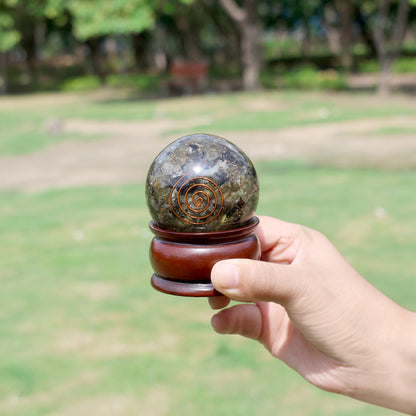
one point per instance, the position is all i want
(124, 156)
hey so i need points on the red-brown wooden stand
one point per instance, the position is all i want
(183, 261)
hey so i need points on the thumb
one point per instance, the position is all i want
(257, 281)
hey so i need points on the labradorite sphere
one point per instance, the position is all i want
(201, 183)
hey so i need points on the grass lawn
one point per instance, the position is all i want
(25, 121)
(82, 332)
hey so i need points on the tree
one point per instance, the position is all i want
(182, 23)
(389, 29)
(345, 9)
(26, 23)
(389, 45)
(20, 21)
(94, 19)
(248, 22)
(140, 43)
(9, 37)
(360, 19)
(308, 16)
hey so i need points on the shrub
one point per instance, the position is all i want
(312, 79)
(405, 65)
(84, 83)
(402, 65)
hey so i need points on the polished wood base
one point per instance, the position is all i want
(172, 287)
(183, 261)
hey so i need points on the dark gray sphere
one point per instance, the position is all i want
(201, 183)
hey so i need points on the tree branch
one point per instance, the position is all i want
(400, 27)
(380, 28)
(234, 10)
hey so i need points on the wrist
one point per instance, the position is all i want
(405, 354)
(390, 379)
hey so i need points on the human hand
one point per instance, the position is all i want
(313, 311)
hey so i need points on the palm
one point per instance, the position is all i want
(280, 335)
(284, 341)
(313, 311)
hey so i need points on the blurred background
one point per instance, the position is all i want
(175, 47)
(319, 94)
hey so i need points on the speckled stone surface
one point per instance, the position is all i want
(201, 183)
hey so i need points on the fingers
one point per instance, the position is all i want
(244, 319)
(270, 230)
(278, 239)
(276, 279)
(255, 281)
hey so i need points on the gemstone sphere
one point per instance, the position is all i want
(201, 183)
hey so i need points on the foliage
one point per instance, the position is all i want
(149, 34)
(83, 83)
(9, 36)
(312, 79)
(100, 17)
(405, 65)
(140, 83)
(135, 83)
(402, 65)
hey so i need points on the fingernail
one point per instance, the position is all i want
(228, 276)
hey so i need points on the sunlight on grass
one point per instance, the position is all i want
(83, 332)
(27, 126)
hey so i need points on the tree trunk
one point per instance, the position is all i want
(229, 53)
(160, 56)
(27, 25)
(306, 38)
(330, 25)
(389, 45)
(188, 26)
(365, 30)
(345, 12)
(140, 43)
(3, 73)
(94, 47)
(384, 87)
(29, 45)
(250, 55)
(248, 22)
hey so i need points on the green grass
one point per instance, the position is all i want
(82, 332)
(26, 133)
(23, 120)
(396, 130)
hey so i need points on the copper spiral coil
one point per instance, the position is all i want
(197, 200)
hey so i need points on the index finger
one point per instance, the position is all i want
(278, 239)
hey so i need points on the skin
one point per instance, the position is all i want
(313, 311)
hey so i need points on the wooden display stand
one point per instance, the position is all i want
(182, 261)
